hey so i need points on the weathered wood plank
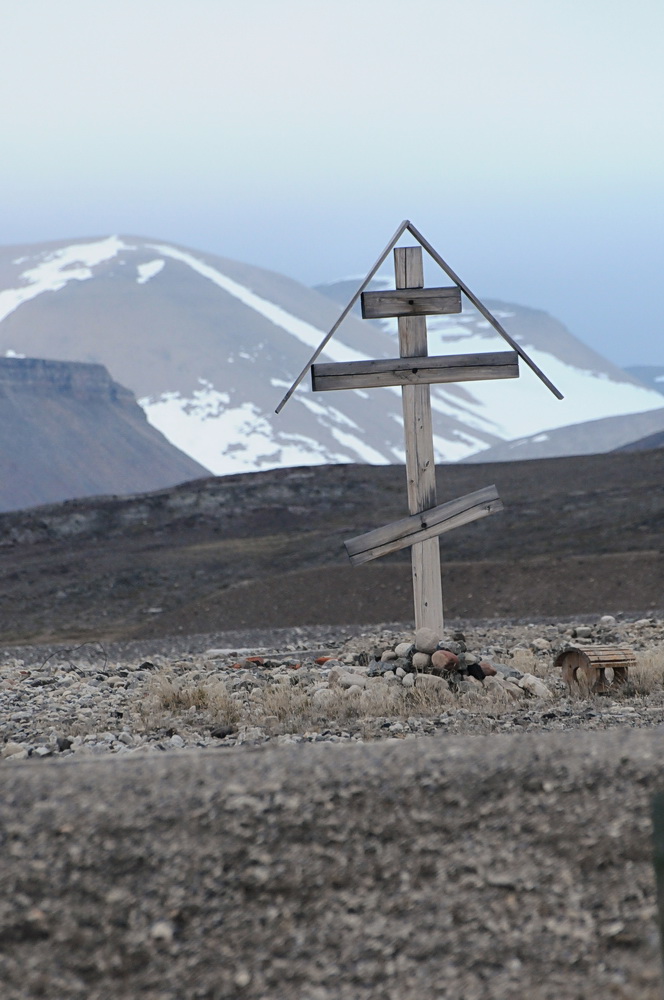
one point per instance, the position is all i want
(411, 302)
(420, 461)
(407, 371)
(422, 526)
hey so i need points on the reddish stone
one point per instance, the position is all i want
(323, 659)
(443, 660)
(487, 669)
(255, 659)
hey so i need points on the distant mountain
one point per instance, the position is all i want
(645, 444)
(590, 438)
(67, 430)
(651, 375)
(209, 345)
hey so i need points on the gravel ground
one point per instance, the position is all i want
(182, 821)
(474, 868)
(155, 696)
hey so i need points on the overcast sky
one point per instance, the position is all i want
(524, 138)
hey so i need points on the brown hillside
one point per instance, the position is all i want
(578, 536)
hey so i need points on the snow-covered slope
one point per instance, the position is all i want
(209, 345)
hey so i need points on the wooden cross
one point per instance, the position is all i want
(415, 371)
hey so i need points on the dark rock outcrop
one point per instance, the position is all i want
(68, 430)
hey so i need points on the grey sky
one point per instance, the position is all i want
(524, 138)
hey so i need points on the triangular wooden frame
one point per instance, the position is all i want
(406, 225)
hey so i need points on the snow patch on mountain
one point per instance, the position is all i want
(149, 270)
(303, 331)
(57, 267)
(228, 438)
(507, 405)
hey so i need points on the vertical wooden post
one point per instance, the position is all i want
(420, 462)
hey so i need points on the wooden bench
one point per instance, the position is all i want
(584, 667)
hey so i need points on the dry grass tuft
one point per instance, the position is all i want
(648, 673)
(168, 697)
(294, 708)
(527, 662)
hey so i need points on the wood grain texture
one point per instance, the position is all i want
(420, 461)
(411, 302)
(425, 525)
(407, 371)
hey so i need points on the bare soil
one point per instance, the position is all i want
(577, 536)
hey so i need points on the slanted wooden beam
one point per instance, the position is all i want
(411, 302)
(482, 308)
(420, 527)
(411, 371)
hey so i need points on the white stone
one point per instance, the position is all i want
(534, 686)
(403, 649)
(421, 661)
(426, 640)
(408, 680)
(162, 930)
(347, 680)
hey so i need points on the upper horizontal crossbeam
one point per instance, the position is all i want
(411, 302)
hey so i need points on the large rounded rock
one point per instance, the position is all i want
(421, 661)
(426, 640)
(443, 660)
